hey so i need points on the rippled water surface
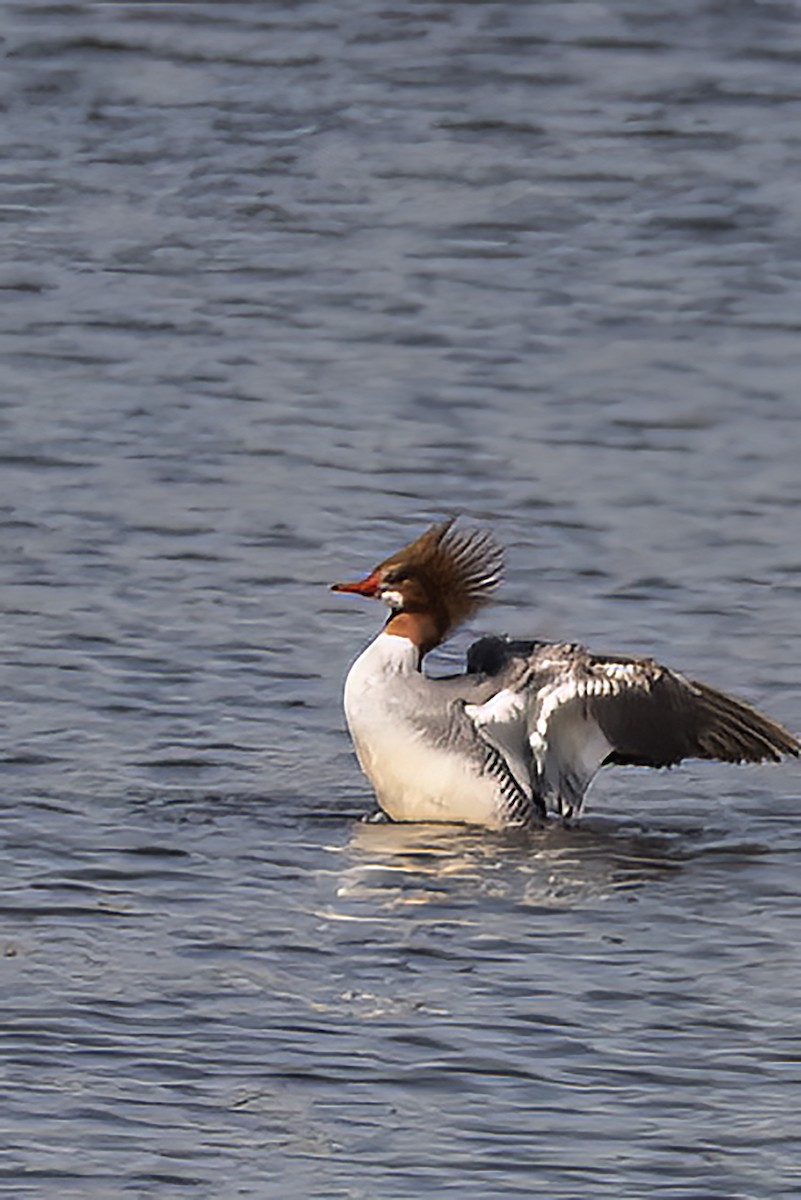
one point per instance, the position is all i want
(280, 283)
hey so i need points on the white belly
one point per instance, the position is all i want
(416, 782)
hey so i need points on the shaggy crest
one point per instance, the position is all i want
(459, 568)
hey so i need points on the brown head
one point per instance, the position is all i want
(436, 582)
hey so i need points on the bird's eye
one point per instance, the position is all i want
(394, 577)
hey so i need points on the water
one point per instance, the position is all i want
(281, 284)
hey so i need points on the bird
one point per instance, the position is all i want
(516, 740)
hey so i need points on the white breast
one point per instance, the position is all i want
(414, 779)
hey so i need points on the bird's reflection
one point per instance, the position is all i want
(559, 866)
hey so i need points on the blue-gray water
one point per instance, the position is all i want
(280, 283)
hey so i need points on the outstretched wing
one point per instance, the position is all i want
(583, 710)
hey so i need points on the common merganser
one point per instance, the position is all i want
(523, 732)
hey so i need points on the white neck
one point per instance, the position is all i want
(390, 654)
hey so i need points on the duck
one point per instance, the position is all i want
(515, 740)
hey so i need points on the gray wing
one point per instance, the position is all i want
(441, 708)
(584, 710)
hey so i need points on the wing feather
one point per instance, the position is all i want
(584, 710)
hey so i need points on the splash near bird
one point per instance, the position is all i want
(524, 731)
